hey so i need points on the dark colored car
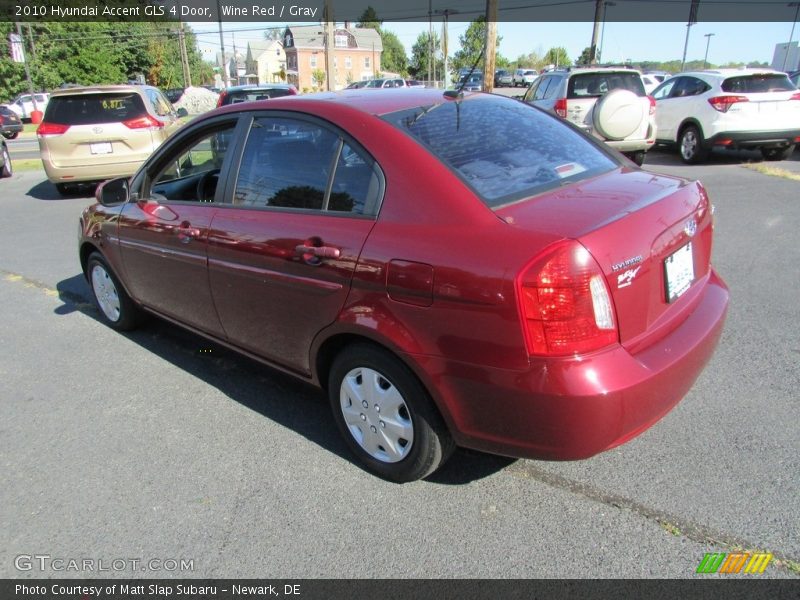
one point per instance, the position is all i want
(453, 269)
(502, 78)
(6, 170)
(251, 93)
(173, 95)
(357, 84)
(10, 123)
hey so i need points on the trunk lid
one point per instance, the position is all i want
(633, 223)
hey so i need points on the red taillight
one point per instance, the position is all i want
(565, 304)
(221, 98)
(652, 105)
(795, 96)
(46, 128)
(723, 103)
(561, 107)
(145, 122)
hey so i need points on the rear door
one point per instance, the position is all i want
(281, 259)
(771, 102)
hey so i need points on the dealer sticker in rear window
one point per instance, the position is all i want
(679, 270)
(101, 148)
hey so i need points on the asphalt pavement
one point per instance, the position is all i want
(159, 445)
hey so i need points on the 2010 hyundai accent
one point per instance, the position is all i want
(453, 269)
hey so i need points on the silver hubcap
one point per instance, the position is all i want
(688, 144)
(106, 293)
(376, 415)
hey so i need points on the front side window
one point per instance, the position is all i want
(503, 150)
(190, 173)
(296, 164)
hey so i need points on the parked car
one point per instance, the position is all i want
(609, 103)
(524, 77)
(93, 133)
(174, 94)
(795, 78)
(357, 84)
(395, 82)
(729, 108)
(503, 78)
(515, 288)
(253, 92)
(23, 104)
(650, 82)
(10, 124)
(471, 83)
(414, 83)
(6, 170)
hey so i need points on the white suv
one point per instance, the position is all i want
(610, 103)
(729, 108)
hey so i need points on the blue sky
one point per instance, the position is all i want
(739, 42)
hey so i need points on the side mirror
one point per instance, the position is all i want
(182, 112)
(112, 192)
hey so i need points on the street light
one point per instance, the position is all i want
(791, 35)
(708, 41)
(603, 30)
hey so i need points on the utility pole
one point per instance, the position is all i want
(187, 76)
(226, 80)
(430, 41)
(692, 20)
(599, 10)
(330, 71)
(708, 42)
(490, 45)
(27, 71)
(791, 35)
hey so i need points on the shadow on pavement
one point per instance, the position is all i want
(286, 400)
(44, 190)
(668, 157)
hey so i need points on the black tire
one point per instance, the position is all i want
(11, 136)
(777, 153)
(691, 146)
(637, 157)
(65, 189)
(107, 293)
(414, 415)
(8, 169)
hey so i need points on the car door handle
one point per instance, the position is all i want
(187, 233)
(319, 251)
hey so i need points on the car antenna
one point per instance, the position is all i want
(459, 93)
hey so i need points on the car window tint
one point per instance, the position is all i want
(664, 90)
(286, 164)
(552, 88)
(190, 173)
(255, 94)
(757, 84)
(541, 90)
(503, 150)
(356, 183)
(90, 109)
(598, 83)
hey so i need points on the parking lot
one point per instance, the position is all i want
(159, 445)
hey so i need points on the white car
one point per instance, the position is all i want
(23, 104)
(524, 77)
(728, 108)
(650, 82)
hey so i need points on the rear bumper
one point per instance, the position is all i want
(11, 128)
(570, 408)
(89, 172)
(754, 139)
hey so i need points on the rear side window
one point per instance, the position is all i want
(758, 84)
(582, 85)
(253, 95)
(504, 150)
(89, 109)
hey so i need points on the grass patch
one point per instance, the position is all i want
(670, 528)
(27, 164)
(772, 171)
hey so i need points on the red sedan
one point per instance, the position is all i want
(453, 269)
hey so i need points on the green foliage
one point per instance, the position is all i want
(420, 66)
(318, 77)
(585, 57)
(532, 60)
(472, 42)
(394, 57)
(557, 56)
(369, 19)
(88, 53)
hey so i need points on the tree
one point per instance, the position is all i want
(585, 57)
(369, 19)
(420, 57)
(394, 57)
(318, 77)
(557, 56)
(532, 60)
(472, 42)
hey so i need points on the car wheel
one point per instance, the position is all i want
(691, 146)
(65, 189)
(386, 416)
(777, 153)
(116, 308)
(637, 157)
(11, 136)
(7, 170)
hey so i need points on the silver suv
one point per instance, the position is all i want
(610, 103)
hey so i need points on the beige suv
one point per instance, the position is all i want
(90, 134)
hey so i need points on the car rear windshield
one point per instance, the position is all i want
(758, 84)
(88, 109)
(253, 95)
(503, 149)
(582, 85)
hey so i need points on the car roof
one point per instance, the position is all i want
(258, 86)
(725, 73)
(94, 89)
(389, 101)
